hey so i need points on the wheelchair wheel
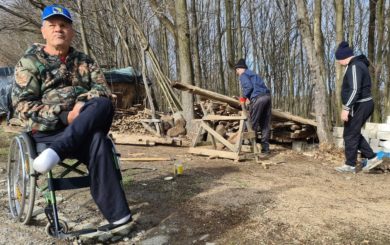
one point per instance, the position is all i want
(20, 178)
(50, 228)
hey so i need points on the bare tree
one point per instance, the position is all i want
(185, 58)
(82, 28)
(195, 45)
(339, 7)
(320, 105)
(371, 57)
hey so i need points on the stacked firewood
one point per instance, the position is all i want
(139, 121)
(282, 129)
(288, 130)
(214, 108)
(128, 122)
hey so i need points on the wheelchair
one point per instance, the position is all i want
(23, 184)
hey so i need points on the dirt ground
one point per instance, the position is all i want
(298, 200)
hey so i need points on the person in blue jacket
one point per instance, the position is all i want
(255, 90)
(357, 108)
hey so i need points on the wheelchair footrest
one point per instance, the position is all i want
(57, 184)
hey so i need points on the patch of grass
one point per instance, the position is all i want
(126, 180)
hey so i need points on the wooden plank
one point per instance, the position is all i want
(223, 118)
(150, 129)
(140, 139)
(222, 154)
(218, 137)
(145, 159)
(197, 137)
(214, 153)
(239, 141)
(150, 120)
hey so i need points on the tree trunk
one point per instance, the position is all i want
(380, 51)
(82, 29)
(195, 45)
(339, 7)
(351, 26)
(219, 49)
(240, 45)
(387, 85)
(229, 46)
(184, 58)
(320, 105)
(371, 57)
(319, 48)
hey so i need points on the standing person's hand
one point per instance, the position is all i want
(75, 111)
(344, 115)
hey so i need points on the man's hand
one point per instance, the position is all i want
(75, 111)
(344, 115)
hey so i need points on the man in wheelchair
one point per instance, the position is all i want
(63, 98)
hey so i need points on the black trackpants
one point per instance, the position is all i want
(260, 115)
(86, 140)
(353, 138)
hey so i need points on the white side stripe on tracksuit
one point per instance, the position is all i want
(354, 81)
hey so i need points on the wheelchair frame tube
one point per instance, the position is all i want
(52, 200)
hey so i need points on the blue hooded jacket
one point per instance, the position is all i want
(252, 85)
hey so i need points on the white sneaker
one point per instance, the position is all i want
(372, 163)
(345, 169)
(46, 161)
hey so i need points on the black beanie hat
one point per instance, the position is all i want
(240, 64)
(343, 51)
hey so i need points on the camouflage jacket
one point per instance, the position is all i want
(46, 89)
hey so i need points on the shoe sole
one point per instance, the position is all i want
(373, 166)
(345, 171)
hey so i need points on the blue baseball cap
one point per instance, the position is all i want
(54, 10)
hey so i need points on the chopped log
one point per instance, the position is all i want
(221, 130)
(176, 131)
(295, 127)
(235, 103)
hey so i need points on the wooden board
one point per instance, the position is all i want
(128, 139)
(222, 154)
(145, 159)
(213, 153)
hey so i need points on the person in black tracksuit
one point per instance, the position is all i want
(254, 89)
(357, 108)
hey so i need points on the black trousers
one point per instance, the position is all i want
(86, 140)
(353, 138)
(260, 115)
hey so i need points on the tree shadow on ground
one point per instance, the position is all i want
(192, 208)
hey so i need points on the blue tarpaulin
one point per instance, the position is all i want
(123, 75)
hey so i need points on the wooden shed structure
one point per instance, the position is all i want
(127, 85)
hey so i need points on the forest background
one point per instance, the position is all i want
(290, 43)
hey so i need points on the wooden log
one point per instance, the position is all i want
(236, 104)
(289, 116)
